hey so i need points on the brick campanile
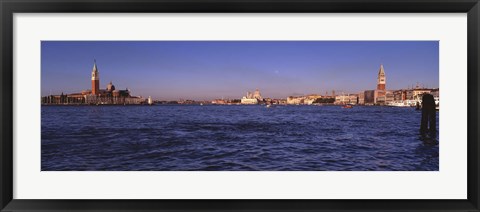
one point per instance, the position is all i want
(95, 79)
(381, 79)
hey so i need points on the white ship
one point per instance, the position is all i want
(413, 103)
(399, 104)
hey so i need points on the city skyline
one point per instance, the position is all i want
(205, 70)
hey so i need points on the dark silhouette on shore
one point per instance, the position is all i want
(429, 115)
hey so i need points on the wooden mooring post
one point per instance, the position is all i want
(429, 115)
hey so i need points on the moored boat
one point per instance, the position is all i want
(398, 104)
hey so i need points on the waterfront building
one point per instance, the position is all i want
(279, 101)
(361, 98)
(292, 100)
(110, 95)
(341, 99)
(418, 92)
(413, 93)
(249, 101)
(382, 96)
(219, 102)
(379, 98)
(369, 97)
(304, 100)
(399, 95)
(413, 96)
(308, 101)
(250, 98)
(110, 87)
(346, 99)
(409, 94)
(389, 97)
(257, 95)
(353, 99)
(314, 96)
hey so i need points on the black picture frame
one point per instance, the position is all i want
(9, 7)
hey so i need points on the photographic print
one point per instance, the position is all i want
(240, 106)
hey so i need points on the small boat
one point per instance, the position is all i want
(347, 106)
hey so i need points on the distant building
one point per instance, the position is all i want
(409, 94)
(256, 94)
(247, 101)
(361, 98)
(303, 100)
(353, 99)
(314, 96)
(95, 79)
(340, 99)
(389, 97)
(400, 95)
(250, 99)
(381, 79)
(110, 95)
(380, 97)
(400, 98)
(380, 92)
(418, 92)
(279, 101)
(346, 99)
(369, 97)
(292, 100)
(219, 102)
(308, 101)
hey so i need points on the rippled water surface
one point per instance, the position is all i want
(187, 137)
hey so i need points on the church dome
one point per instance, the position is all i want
(110, 86)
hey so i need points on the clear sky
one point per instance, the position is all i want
(205, 70)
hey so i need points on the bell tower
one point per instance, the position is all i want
(381, 79)
(95, 79)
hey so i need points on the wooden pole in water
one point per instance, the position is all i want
(429, 115)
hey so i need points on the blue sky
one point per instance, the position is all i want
(205, 70)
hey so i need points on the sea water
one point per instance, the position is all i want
(235, 137)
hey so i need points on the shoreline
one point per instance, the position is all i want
(274, 105)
